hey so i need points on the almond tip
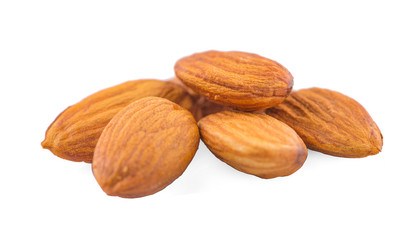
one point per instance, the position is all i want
(45, 144)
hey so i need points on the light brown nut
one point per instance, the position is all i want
(74, 133)
(144, 148)
(237, 79)
(253, 143)
(330, 122)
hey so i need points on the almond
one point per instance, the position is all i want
(253, 143)
(330, 122)
(144, 148)
(242, 80)
(74, 133)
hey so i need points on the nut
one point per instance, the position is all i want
(242, 80)
(144, 148)
(330, 122)
(74, 133)
(253, 143)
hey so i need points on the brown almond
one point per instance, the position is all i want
(144, 148)
(330, 122)
(74, 133)
(253, 143)
(242, 80)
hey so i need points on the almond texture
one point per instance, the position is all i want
(242, 80)
(330, 122)
(253, 143)
(74, 133)
(144, 148)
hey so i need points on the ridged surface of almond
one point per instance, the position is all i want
(253, 143)
(144, 148)
(241, 80)
(74, 133)
(330, 122)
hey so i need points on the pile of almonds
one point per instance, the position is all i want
(141, 135)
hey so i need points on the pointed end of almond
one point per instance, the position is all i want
(374, 149)
(46, 144)
(378, 144)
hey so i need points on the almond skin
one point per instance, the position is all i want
(241, 80)
(74, 133)
(253, 143)
(144, 148)
(330, 122)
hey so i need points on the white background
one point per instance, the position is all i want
(54, 53)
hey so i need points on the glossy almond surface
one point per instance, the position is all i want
(330, 122)
(145, 147)
(242, 80)
(253, 143)
(74, 133)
